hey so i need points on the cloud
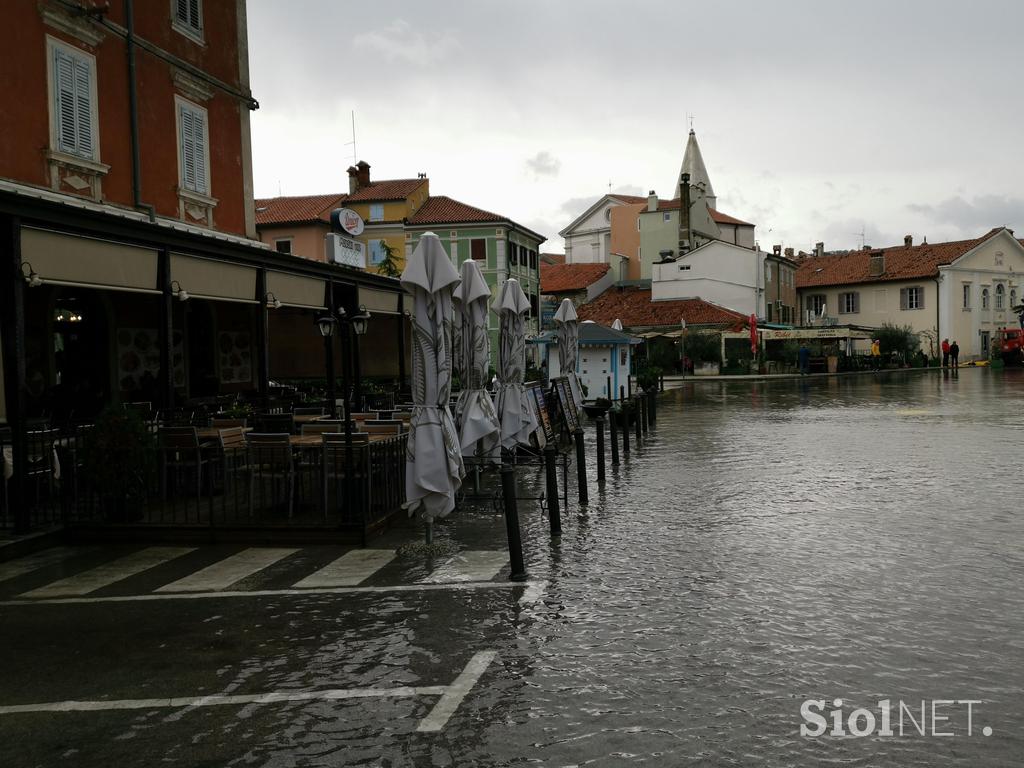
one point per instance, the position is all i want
(574, 206)
(544, 164)
(977, 216)
(399, 42)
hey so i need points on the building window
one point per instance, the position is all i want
(768, 312)
(967, 295)
(816, 303)
(1013, 298)
(984, 343)
(284, 245)
(984, 298)
(534, 306)
(912, 297)
(376, 211)
(376, 251)
(666, 217)
(767, 273)
(478, 249)
(849, 303)
(533, 260)
(513, 254)
(454, 252)
(73, 86)
(193, 147)
(1000, 297)
(188, 17)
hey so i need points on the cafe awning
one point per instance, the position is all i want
(210, 279)
(296, 290)
(378, 301)
(88, 262)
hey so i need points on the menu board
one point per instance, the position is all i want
(563, 390)
(545, 432)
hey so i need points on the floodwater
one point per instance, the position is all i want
(855, 538)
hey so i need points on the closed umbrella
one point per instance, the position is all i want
(617, 325)
(568, 333)
(475, 416)
(516, 418)
(434, 467)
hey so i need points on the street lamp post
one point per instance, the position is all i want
(682, 343)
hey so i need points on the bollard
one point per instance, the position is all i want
(613, 435)
(652, 407)
(629, 386)
(611, 394)
(554, 511)
(581, 467)
(515, 539)
(622, 392)
(639, 423)
(600, 450)
(643, 412)
(625, 434)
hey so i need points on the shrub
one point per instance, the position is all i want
(903, 340)
(704, 347)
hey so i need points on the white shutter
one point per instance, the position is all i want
(64, 76)
(199, 139)
(83, 102)
(188, 149)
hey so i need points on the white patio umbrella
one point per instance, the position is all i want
(475, 416)
(517, 420)
(617, 325)
(434, 467)
(568, 334)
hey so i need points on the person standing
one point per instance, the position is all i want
(803, 357)
(945, 353)
(876, 355)
(954, 354)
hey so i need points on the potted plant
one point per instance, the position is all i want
(119, 461)
(597, 408)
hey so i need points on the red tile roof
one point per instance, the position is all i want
(633, 306)
(562, 278)
(290, 210)
(552, 258)
(900, 263)
(389, 189)
(440, 209)
(717, 216)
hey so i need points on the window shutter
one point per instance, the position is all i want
(856, 302)
(199, 142)
(903, 298)
(83, 102)
(182, 10)
(188, 149)
(193, 14)
(64, 72)
(920, 297)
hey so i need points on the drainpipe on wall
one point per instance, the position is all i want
(133, 112)
(937, 336)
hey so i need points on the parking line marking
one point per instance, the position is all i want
(34, 562)
(458, 587)
(473, 565)
(224, 573)
(109, 573)
(456, 692)
(350, 569)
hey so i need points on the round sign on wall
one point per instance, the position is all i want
(348, 221)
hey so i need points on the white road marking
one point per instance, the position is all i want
(38, 560)
(458, 587)
(348, 570)
(533, 593)
(438, 717)
(224, 573)
(109, 573)
(472, 565)
(218, 701)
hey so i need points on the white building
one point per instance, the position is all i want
(588, 237)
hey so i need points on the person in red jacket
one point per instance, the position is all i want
(945, 353)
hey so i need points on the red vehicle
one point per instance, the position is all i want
(1010, 344)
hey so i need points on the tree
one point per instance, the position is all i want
(388, 266)
(904, 341)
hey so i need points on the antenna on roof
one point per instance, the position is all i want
(860, 235)
(353, 142)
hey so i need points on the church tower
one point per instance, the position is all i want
(693, 164)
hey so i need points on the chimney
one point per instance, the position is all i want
(364, 173)
(353, 179)
(777, 250)
(421, 175)
(867, 247)
(652, 201)
(789, 253)
(908, 241)
(819, 249)
(684, 214)
(876, 267)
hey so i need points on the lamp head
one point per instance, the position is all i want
(326, 323)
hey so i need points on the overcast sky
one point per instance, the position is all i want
(817, 120)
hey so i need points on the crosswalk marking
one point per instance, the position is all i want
(34, 562)
(348, 570)
(226, 572)
(473, 565)
(109, 573)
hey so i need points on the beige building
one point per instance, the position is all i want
(962, 290)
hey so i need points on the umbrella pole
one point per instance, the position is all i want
(429, 526)
(476, 467)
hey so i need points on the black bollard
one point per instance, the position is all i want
(625, 433)
(554, 510)
(515, 539)
(622, 393)
(613, 435)
(639, 423)
(600, 450)
(611, 394)
(652, 407)
(644, 420)
(581, 467)
(629, 386)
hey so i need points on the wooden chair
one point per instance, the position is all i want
(382, 429)
(223, 423)
(309, 411)
(270, 456)
(180, 449)
(275, 423)
(333, 464)
(319, 428)
(363, 416)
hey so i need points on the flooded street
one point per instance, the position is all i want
(854, 538)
